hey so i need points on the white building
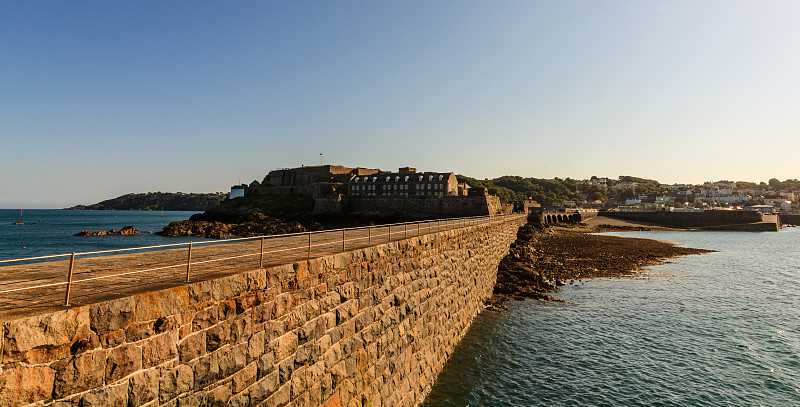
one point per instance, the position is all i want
(780, 204)
(237, 191)
(625, 185)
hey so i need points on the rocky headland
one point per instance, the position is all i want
(154, 201)
(543, 259)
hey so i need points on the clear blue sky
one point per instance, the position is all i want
(98, 99)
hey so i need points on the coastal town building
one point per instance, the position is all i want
(404, 183)
(407, 192)
(340, 189)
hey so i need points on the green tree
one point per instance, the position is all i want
(627, 193)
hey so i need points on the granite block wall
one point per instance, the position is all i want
(370, 327)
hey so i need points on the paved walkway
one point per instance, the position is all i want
(101, 278)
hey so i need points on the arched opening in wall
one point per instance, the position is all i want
(559, 218)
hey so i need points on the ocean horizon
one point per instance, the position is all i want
(46, 232)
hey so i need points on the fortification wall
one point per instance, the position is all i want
(689, 219)
(448, 206)
(368, 327)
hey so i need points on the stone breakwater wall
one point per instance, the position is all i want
(789, 219)
(689, 219)
(370, 327)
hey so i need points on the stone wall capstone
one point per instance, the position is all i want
(369, 327)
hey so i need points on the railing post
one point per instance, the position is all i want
(189, 262)
(69, 278)
(308, 256)
(261, 262)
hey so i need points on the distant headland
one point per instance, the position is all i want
(157, 201)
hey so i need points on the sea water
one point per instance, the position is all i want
(48, 231)
(717, 329)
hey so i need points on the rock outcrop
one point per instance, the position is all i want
(126, 231)
(245, 226)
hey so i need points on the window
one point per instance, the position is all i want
(387, 179)
(430, 177)
(420, 177)
(406, 178)
(441, 177)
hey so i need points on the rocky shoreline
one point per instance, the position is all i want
(543, 259)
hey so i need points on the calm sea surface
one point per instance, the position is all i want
(53, 231)
(719, 329)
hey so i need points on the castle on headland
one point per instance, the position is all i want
(343, 190)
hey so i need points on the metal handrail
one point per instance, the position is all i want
(70, 281)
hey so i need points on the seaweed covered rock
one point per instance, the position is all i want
(542, 259)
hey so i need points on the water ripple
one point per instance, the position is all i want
(711, 330)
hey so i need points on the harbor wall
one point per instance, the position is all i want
(688, 219)
(789, 219)
(369, 327)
